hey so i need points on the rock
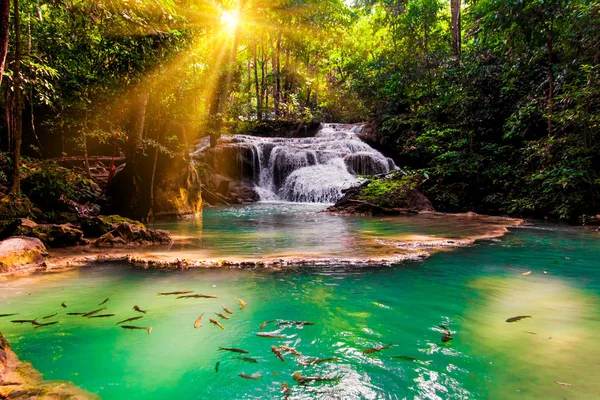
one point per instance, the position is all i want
(127, 234)
(21, 252)
(53, 235)
(27, 383)
(411, 200)
(100, 225)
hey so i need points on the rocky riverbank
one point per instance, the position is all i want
(20, 380)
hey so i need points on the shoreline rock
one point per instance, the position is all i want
(128, 234)
(22, 254)
(20, 379)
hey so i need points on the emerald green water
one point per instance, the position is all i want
(471, 290)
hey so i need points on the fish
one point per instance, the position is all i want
(103, 316)
(518, 318)
(255, 377)
(175, 293)
(233, 349)
(46, 324)
(376, 349)
(24, 321)
(291, 350)
(88, 314)
(7, 315)
(269, 335)
(138, 309)
(197, 296)
(531, 333)
(404, 358)
(285, 390)
(303, 380)
(526, 273)
(104, 302)
(215, 322)
(447, 337)
(63, 305)
(50, 316)
(265, 323)
(221, 315)
(198, 322)
(75, 313)
(132, 327)
(319, 361)
(217, 366)
(562, 383)
(277, 353)
(227, 310)
(297, 323)
(247, 359)
(129, 319)
(242, 303)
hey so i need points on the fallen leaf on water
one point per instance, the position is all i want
(562, 383)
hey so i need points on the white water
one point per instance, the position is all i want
(311, 170)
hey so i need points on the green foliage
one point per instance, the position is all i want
(51, 187)
(390, 191)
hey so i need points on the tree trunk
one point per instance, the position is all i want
(549, 44)
(18, 106)
(135, 136)
(456, 27)
(257, 85)
(427, 62)
(4, 29)
(86, 161)
(277, 73)
(150, 216)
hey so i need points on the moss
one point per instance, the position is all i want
(12, 207)
(390, 192)
(101, 225)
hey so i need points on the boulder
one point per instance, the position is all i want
(127, 234)
(100, 225)
(53, 235)
(405, 200)
(21, 252)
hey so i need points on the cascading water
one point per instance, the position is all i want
(314, 169)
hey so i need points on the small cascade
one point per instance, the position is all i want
(314, 169)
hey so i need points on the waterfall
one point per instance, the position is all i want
(314, 169)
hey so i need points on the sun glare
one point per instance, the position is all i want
(229, 20)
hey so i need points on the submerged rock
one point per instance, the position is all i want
(21, 252)
(127, 234)
(26, 382)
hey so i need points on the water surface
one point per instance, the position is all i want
(472, 291)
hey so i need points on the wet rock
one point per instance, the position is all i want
(127, 234)
(21, 252)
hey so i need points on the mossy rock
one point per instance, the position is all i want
(12, 207)
(103, 224)
(132, 235)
